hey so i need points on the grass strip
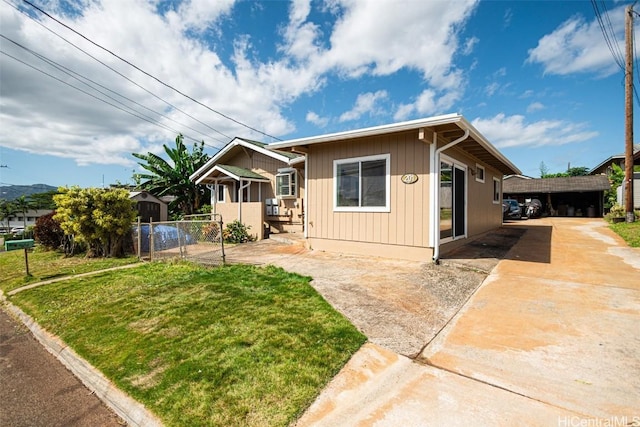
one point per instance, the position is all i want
(45, 265)
(630, 232)
(236, 345)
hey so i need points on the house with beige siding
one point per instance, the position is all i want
(409, 190)
(262, 188)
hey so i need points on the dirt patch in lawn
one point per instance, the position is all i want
(398, 304)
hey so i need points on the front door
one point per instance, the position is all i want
(453, 209)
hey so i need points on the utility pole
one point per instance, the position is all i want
(628, 100)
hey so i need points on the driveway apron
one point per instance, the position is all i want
(551, 337)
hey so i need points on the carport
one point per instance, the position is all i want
(564, 196)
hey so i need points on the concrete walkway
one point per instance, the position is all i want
(552, 337)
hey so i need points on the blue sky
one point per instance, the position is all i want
(535, 77)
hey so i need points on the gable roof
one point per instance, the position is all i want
(556, 185)
(636, 156)
(144, 195)
(235, 172)
(449, 127)
(284, 156)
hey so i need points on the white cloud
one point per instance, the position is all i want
(238, 84)
(316, 119)
(535, 106)
(365, 104)
(199, 14)
(514, 131)
(491, 88)
(469, 45)
(360, 44)
(578, 46)
(428, 103)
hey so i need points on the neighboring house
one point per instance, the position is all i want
(260, 187)
(149, 207)
(409, 190)
(18, 218)
(604, 168)
(564, 196)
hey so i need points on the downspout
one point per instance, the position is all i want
(435, 166)
(305, 201)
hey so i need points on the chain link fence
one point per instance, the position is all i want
(196, 238)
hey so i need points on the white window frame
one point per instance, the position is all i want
(220, 189)
(497, 190)
(360, 160)
(478, 169)
(293, 183)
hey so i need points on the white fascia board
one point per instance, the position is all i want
(376, 130)
(265, 151)
(240, 142)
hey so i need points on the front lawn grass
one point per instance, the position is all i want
(44, 265)
(235, 345)
(629, 231)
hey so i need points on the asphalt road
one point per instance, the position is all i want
(37, 390)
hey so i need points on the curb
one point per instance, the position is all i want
(131, 411)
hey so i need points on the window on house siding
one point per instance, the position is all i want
(479, 173)
(286, 184)
(220, 193)
(496, 190)
(362, 184)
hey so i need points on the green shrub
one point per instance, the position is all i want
(48, 232)
(237, 232)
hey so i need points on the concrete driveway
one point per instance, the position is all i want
(399, 305)
(551, 337)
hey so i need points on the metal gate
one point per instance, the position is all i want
(193, 239)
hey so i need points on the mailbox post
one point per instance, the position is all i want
(25, 244)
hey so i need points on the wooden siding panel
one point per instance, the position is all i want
(407, 221)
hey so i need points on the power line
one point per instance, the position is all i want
(78, 77)
(605, 28)
(119, 73)
(612, 31)
(95, 97)
(148, 74)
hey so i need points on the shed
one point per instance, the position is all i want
(563, 196)
(149, 207)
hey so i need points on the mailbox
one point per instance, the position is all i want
(18, 244)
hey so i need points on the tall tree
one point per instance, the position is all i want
(23, 205)
(171, 178)
(7, 210)
(101, 218)
(43, 200)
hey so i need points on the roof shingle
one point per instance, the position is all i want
(557, 185)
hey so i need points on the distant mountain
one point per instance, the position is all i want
(12, 192)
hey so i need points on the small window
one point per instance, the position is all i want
(362, 184)
(479, 173)
(496, 190)
(220, 193)
(286, 184)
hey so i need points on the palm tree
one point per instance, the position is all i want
(7, 210)
(23, 205)
(172, 178)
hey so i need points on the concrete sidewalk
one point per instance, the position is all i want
(551, 337)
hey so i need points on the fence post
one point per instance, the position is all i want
(221, 239)
(139, 238)
(180, 230)
(151, 239)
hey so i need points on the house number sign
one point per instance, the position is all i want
(409, 178)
